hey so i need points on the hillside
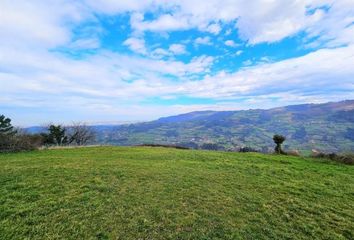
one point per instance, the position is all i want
(157, 193)
(326, 127)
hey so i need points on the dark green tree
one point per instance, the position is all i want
(278, 140)
(7, 134)
(6, 127)
(56, 135)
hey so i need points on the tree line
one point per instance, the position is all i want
(13, 139)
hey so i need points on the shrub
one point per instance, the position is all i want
(347, 158)
(248, 149)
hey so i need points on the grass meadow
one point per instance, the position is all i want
(162, 193)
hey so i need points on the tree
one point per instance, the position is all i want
(56, 135)
(7, 133)
(6, 127)
(278, 140)
(81, 134)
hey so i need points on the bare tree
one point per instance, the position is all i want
(81, 134)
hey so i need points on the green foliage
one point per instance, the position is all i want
(164, 193)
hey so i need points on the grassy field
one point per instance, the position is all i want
(159, 193)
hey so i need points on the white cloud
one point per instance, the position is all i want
(273, 21)
(335, 27)
(214, 28)
(85, 43)
(38, 24)
(311, 75)
(159, 53)
(136, 45)
(200, 64)
(177, 49)
(231, 43)
(165, 22)
(123, 77)
(202, 41)
(113, 7)
(173, 50)
(257, 21)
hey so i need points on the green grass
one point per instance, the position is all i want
(159, 193)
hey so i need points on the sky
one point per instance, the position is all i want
(107, 61)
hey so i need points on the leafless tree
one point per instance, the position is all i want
(81, 134)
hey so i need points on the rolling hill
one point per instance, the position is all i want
(327, 127)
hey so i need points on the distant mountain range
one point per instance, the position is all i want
(327, 127)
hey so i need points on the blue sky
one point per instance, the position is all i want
(103, 61)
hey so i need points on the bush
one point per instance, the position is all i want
(347, 158)
(6, 143)
(20, 142)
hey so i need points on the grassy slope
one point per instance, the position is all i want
(156, 193)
